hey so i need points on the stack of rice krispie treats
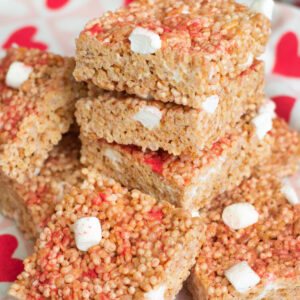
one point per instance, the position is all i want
(176, 172)
(176, 104)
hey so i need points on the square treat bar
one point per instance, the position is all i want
(32, 203)
(198, 47)
(37, 100)
(132, 247)
(177, 129)
(187, 181)
(252, 246)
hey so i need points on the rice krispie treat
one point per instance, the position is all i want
(252, 244)
(105, 242)
(185, 180)
(37, 97)
(124, 119)
(171, 50)
(32, 203)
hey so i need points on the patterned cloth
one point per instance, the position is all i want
(54, 24)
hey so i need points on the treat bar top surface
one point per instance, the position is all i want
(199, 43)
(270, 246)
(36, 199)
(16, 104)
(141, 251)
(208, 27)
(37, 99)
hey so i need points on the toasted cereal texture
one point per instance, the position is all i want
(32, 203)
(34, 116)
(145, 245)
(204, 43)
(179, 129)
(285, 157)
(184, 180)
(270, 246)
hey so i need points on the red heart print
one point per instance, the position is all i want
(127, 2)
(24, 37)
(284, 106)
(10, 267)
(287, 58)
(56, 4)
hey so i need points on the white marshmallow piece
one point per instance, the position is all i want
(17, 74)
(88, 233)
(144, 41)
(264, 7)
(210, 104)
(290, 194)
(195, 213)
(149, 116)
(113, 156)
(249, 61)
(263, 123)
(268, 107)
(157, 294)
(239, 215)
(242, 277)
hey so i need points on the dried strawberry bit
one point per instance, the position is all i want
(95, 29)
(217, 148)
(99, 199)
(156, 160)
(156, 214)
(90, 274)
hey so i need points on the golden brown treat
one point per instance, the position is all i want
(285, 157)
(203, 44)
(35, 113)
(124, 119)
(186, 181)
(270, 246)
(146, 246)
(32, 203)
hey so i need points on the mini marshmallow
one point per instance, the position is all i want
(249, 61)
(263, 123)
(17, 74)
(210, 104)
(113, 156)
(88, 233)
(239, 215)
(149, 116)
(264, 7)
(268, 107)
(290, 194)
(195, 213)
(157, 294)
(242, 277)
(144, 41)
(193, 192)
